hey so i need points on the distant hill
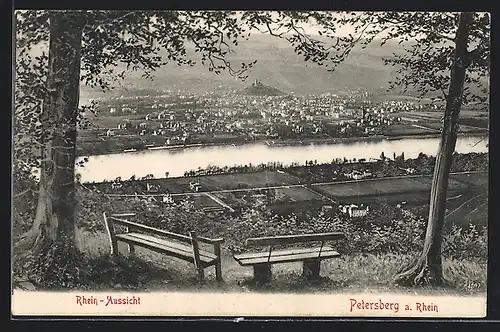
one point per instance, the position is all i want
(277, 65)
(259, 89)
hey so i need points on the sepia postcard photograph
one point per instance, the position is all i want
(222, 163)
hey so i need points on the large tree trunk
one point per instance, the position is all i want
(50, 244)
(428, 267)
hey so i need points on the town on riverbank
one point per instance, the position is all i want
(173, 121)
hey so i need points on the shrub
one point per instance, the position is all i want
(465, 243)
(385, 230)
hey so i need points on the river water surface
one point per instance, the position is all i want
(176, 162)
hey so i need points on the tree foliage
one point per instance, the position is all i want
(427, 42)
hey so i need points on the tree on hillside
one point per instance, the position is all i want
(443, 52)
(86, 46)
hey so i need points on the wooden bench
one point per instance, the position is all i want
(172, 244)
(310, 256)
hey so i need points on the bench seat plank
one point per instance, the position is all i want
(175, 249)
(177, 245)
(280, 252)
(285, 256)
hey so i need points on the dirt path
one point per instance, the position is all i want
(343, 275)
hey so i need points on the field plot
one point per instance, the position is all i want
(374, 187)
(467, 117)
(384, 186)
(247, 180)
(462, 129)
(112, 121)
(297, 194)
(203, 201)
(467, 209)
(478, 179)
(406, 129)
(475, 122)
(231, 199)
(421, 116)
(477, 216)
(181, 185)
(174, 186)
(408, 199)
(453, 183)
(470, 113)
(428, 115)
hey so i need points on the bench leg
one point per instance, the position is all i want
(311, 269)
(114, 249)
(201, 274)
(262, 272)
(131, 250)
(218, 264)
(218, 271)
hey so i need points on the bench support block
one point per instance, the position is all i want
(218, 264)
(131, 250)
(311, 269)
(262, 272)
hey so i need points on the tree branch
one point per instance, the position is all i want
(110, 19)
(22, 193)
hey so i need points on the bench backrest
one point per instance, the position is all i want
(132, 226)
(291, 239)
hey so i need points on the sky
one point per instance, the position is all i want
(312, 29)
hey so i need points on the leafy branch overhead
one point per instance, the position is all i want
(427, 48)
(137, 38)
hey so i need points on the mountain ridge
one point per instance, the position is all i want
(277, 65)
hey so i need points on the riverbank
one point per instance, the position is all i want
(138, 144)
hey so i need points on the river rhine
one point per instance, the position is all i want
(176, 162)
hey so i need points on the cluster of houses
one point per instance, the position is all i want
(194, 186)
(265, 116)
(357, 175)
(167, 198)
(123, 109)
(400, 105)
(373, 119)
(246, 115)
(410, 170)
(354, 211)
(152, 187)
